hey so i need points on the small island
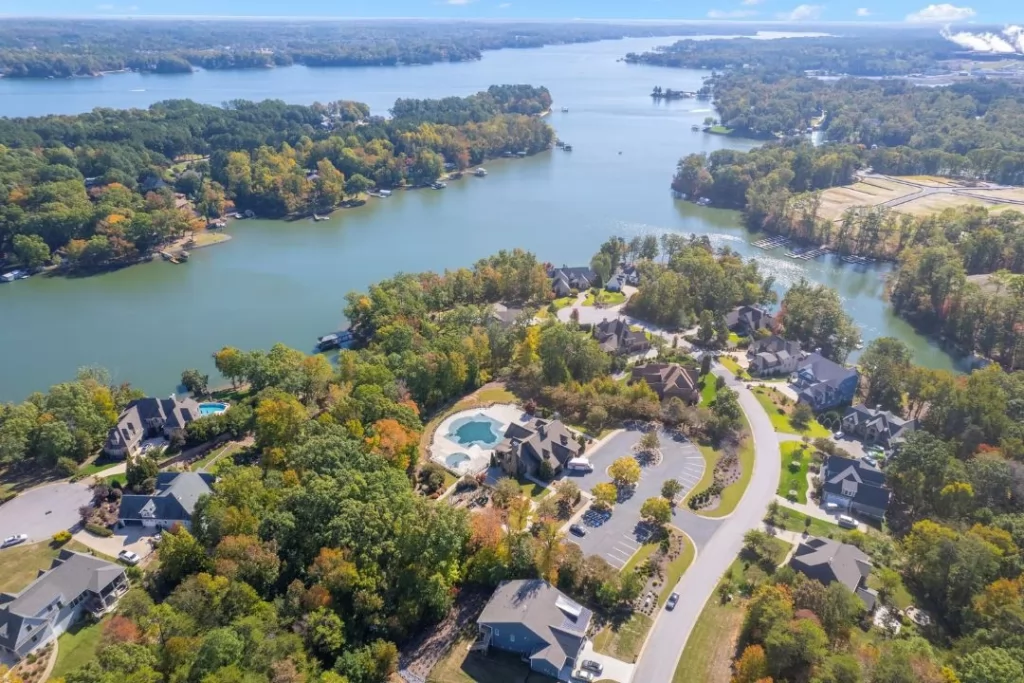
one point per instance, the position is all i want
(669, 94)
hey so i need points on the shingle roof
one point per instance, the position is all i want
(157, 413)
(862, 477)
(751, 316)
(885, 421)
(825, 370)
(175, 497)
(823, 558)
(775, 344)
(665, 377)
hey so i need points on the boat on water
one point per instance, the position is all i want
(695, 128)
(567, 147)
(703, 201)
(237, 216)
(439, 185)
(384, 193)
(14, 275)
(480, 172)
(559, 144)
(335, 340)
(565, 110)
(317, 218)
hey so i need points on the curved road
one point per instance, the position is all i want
(657, 662)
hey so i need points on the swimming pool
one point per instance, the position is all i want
(455, 460)
(211, 408)
(476, 429)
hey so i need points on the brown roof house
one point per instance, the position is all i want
(616, 337)
(669, 380)
(540, 441)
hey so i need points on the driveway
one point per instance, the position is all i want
(133, 538)
(614, 669)
(43, 511)
(616, 536)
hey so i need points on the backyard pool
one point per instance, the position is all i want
(212, 408)
(476, 429)
(455, 460)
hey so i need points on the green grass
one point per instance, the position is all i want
(461, 666)
(605, 298)
(708, 391)
(790, 480)
(121, 478)
(901, 597)
(639, 557)
(532, 488)
(563, 302)
(792, 520)
(495, 395)
(720, 130)
(732, 493)
(771, 401)
(730, 364)
(77, 647)
(624, 641)
(223, 454)
(96, 466)
(676, 569)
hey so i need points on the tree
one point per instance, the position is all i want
(706, 328)
(568, 495)
(670, 489)
(31, 250)
(649, 442)
(752, 666)
(358, 184)
(219, 648)
(180, 555)
(141, 469)
(840, 611)
(505, 491)
(885, 365)
(196, 382)
(816, 316)
(329, 185)
(605, 495)
(625, 472)
(279, 420)
(602, 265)
(989, 665)
(231, 363)
(325, 632)
(801, 416)
(657, 511)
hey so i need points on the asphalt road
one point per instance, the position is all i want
(41, 512)
(671, 630)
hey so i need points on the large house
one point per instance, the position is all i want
(73, 586)
(873, 425)
(147, 418)
(669, 380)
(856, 485)
(828, 561)
(565, 279)
(825, 384)
(534, 619)
(615, 336)
(525, 447)
(173, 501)
(773, 356)
(745, 320)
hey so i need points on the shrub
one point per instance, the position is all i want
(795, 465)
(134, 573)
(62, 537)
(97, 530)
(66, 467)
(7, 495)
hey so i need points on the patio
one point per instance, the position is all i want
(464, 441)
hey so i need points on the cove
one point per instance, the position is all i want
(285, 282)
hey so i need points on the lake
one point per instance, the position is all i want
(279, 281)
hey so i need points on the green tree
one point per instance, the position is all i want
(326, 632)
(141, 472)
(657, 511)
(801, 416)
(670, 489)
(219, 648)
(279, 419)
(817, 317)
(605, 495)
(602, 265)
(196, 382)
(885, 365)
(706, 328)
(358, 184)
(180, 555)
(625, 472)
(31, 250)
(505, 491)
(231, 363)
(989, 665)
(55, 441)
(329, 185)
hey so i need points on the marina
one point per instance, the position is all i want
(808, 253)
(772, 242)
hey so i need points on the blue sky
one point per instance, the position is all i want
(978, 11)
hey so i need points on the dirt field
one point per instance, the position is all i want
(1016, 193)
(937, 203)
(932, 181)
(872, 192)
(835, 201)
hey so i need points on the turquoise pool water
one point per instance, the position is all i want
(212, 408)
(476, 429)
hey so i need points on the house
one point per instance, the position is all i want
(532, 618)
(828, 561)
(565, 279)
(873, 425)
(824, 384)
(615, 336)
(856, 485)
(773, 356)
(632, 274)
(669, 380)
(745, 320)
(171, 503)
(506, 316)
(616, 282)
(73, 586)
(525, 447)
(146, 418)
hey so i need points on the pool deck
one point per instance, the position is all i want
(444, 445)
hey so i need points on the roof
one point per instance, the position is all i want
(544, 610)
(750, 316)
(543, 440)
(828, 560)
(573, 276)
(859, 480)
(884, 421)
(613, 335)
(70, 575)
(774, 344)
(667, 378)
(506, 315)
(155, 413)
(175, 497)
(824, 370)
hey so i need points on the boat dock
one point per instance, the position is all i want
(336, 340)
(168, 256)
(808, 253)
(772, 242)
(857, 259)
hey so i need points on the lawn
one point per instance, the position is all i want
(708, 391)
(730, 364)
(22, 562)
(531, 488)
(624, 641)
(791, 520)
(222, 454)
(96, 466)
(795, 480)
(773, 400)
(677, 568)
(492, 393)
(604, 298)
(461, 666)
(77, 647)
(640, 556)
(720, 130)
(121, 478)
(901, 596)
(563, 302)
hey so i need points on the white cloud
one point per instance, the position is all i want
(802, 13)
(863, 12)
(730, 14)
(105, 8)
(941, 14)
(458, 2)
(752, 2)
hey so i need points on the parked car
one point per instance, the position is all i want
(672, 600)
(14, 540)
(591, 665)
(128, 557)
(847, 522)
(831, 507)
(585, 676)
(577, 530)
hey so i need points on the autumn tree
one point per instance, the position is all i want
(605, 495)
(625, 472)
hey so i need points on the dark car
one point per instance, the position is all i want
(577, 530)
(591, 665)
(672, 600)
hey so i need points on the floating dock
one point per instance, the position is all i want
(772, 242)
(808, 254)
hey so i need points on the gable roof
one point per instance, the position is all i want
(543, 440)
(828, 560)
(824, 370)
(667, 378)
(615, 334)
(861, 477)
(574, 277)
(884, 421)
(774, 345)
(175, 497)
(156, 413)
(750, 316)
(544, 610)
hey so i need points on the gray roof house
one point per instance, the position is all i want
(745, 320)
(525, 447)
(856, 485)
(172, 503)
(534, 619)
(505, 316)
(827, 561)
(616, 337)
(73, 586)
(825, 384)
(147, 418)
(773, 356)
(565, 279)
(873, 425)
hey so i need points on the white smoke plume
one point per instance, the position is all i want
(1010, 41)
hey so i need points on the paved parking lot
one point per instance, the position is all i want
(41, 512)
(616, 536)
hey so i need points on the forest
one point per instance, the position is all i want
(878, 52)
(38, 48)
(103, 188)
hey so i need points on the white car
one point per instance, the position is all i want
(14, 540)
(128, 557)
(584, 675)
(847, 522)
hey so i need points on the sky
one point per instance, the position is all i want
(912, 11)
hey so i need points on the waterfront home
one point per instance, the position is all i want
(854, 485)
(615, 282)
(615, 336)
(745, 320)
(565, 279)
(74, 586)
(173, 501)
(533, 619)
(773, 356)
(876, 426)
(669, 380)
(825, 384)
(526, 447)
(829, 561)
(147, 418)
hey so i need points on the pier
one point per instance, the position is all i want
(773, 242)
(809, 253)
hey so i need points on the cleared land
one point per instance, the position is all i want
(937, 203)
(866, 193)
